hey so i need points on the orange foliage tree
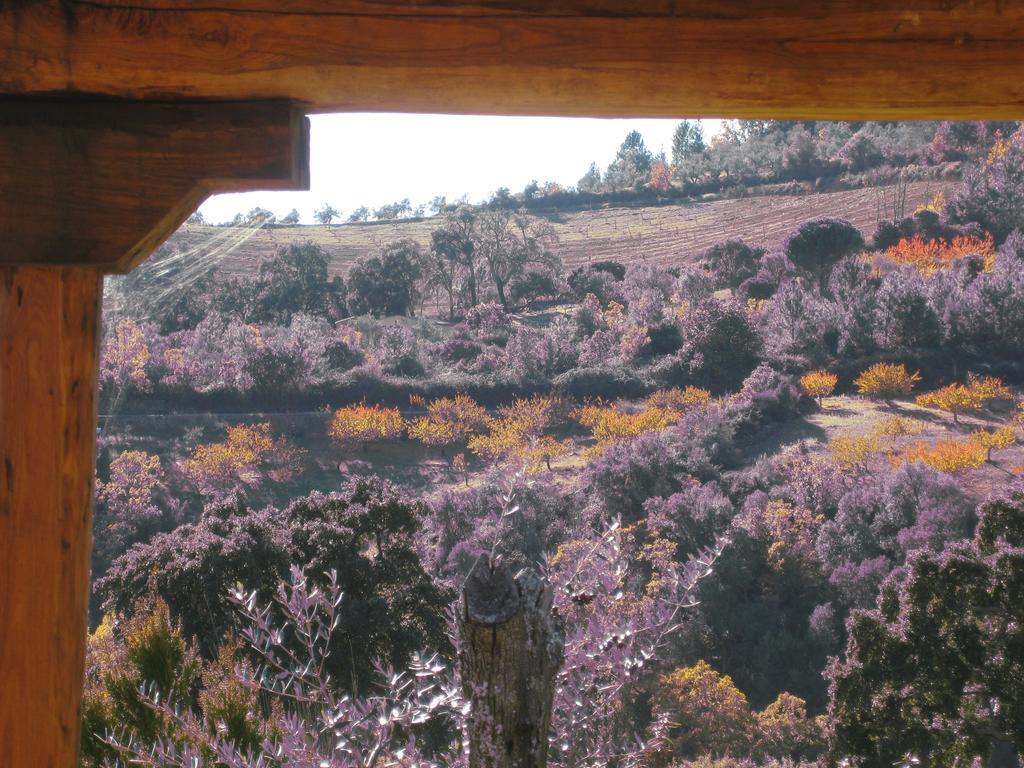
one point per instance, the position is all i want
(449, 421)
(931, 256)
(249, 454)
(361, 424)
(997, 439)
(818, 384)
(518, 425)
(710, 713)
(975, 394)
(610, 424)
(886, 380)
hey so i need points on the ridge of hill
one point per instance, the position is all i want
(662, 235)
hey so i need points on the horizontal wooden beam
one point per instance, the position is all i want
(732, 58)
(104, 183)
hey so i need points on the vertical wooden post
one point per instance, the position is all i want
(86, 188)
(511, 651)
(48, 378)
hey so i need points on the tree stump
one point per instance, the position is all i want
(512, 646)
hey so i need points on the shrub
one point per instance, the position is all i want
(720, 349)
(947, 455)
(732, 262)
(146, 655)
(886, 380)
(489, 322)
(931, 256)
(677, 399)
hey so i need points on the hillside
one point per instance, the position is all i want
(661, 234)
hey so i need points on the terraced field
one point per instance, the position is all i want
(662, 235)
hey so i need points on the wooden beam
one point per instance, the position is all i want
(48, 357)
(730, 58)
(103, 183)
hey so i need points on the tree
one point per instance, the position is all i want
(387, 284)
(248, 456)
(687, 140)
(720, 348)
(125, 356)
(591, 180)
(992, 191)
(1000, 438)
(126, 509)
(295, 280)
(355, 424)
(325, 214)
(732, 262)
(362, 213)
(886, 380)
(936, 671)
(508, 242)
(632, 164)
(449, 421)
(511, 648)
(454, 260)
(974, 395)
(817, 245)
(367, 533)
(399, 210)
(818, 384)
(707, 711)
(292, 217)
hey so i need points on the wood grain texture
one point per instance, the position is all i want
(779, 58)
(103, 184)
(48, 374)
(511, 649)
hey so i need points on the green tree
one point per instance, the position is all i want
(632, 164)
(817, 245)
(936, 671)
(387, 284)
(292, 218)
(294, 280)
(362, 213)
(591, 180)
(454, 259)
(508, 242)
(687, 140)
(326, 214)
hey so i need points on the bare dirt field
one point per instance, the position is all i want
(663, 235)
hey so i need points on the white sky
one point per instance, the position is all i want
(373, 159)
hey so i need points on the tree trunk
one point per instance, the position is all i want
(511, 651)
